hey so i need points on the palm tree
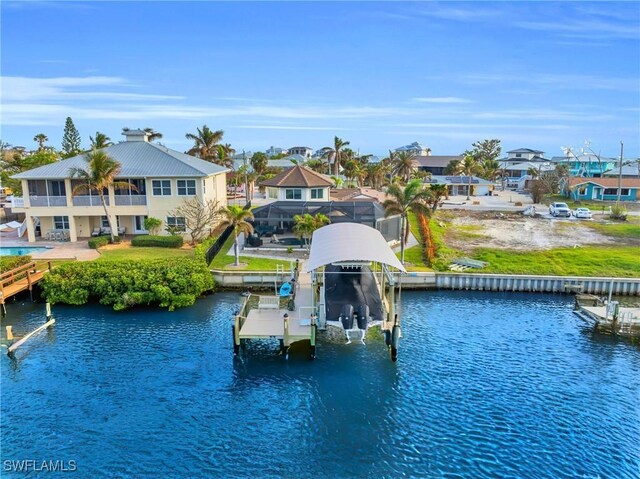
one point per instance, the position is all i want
(351, 170)
(98, 176)
(336, 153)
(41, 138)
(404, 165)
(317, 165)
(205, 143)
(238, 218)
(468, 167)
(100, 141)
(533, 172)
(306, 224)
(403, 200)
(223, 157)
(152, 134)
(437, 193)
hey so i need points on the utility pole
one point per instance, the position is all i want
(620, 174)
(246, 181)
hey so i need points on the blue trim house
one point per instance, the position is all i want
(602, 189)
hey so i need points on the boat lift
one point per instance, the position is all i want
(343, 247)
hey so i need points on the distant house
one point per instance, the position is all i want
(287, 161)
(517, 174)
(301, 150)
(161, 180)
(415, 148)
(629, 170)
(579, 188)
(435, 164)
(524, 154)
(298, 183)
(357, 194)
(587, 165)
(458, 185)
(273, 151)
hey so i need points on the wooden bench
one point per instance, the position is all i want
(268, 302)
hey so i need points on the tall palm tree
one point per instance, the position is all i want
(205, 143)
(223, 157)
(413, 197)
(41, 138)
(98, 175)
(238, 218)
(351, 170)
(404, 165)
(533, 172)
(336, 153)
(468, 167)
(100, 141)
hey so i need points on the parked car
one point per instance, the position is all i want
(559, 209)
(582, 213)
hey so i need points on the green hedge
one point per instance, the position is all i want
(169, 283)
(171, 241)
(200, 251)
(9, 262)
(99, 241)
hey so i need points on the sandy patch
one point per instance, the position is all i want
(522, 233)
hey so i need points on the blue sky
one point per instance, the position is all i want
(539, 75)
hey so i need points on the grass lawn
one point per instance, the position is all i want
(222, 261)
(598, 261)
(595, 206)
(138, 253)
(630, 230)
(413, 256)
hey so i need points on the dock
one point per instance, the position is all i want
(611, 318)
(20, 279)
(270, 321)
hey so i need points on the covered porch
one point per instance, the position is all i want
(75, 228)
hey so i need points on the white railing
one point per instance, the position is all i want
(17, 202)
(131, 200)
(48, 200)
(89, 201)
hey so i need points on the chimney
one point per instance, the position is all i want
(135, 135)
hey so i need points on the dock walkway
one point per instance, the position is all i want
(21, 278)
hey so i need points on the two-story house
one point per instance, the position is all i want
(161, 178)
(435, 165)
(524, 155)
(414, 148)
(298, 183)
(301, 150)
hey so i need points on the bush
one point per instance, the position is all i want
(168, 283)
(618, 212)
(200, 251)
(158, 241)
(99, 241)
(10, 262)
(152, 225)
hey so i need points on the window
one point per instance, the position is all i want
(293, 194)
(61, 222)
(272, 193)
(105, 222)
(56, 188)
(161, 187)
(518, 155)
(204, 187)
(176, 222)
(317, 193)
(582, 190)
(614, 191)
(186, 187)
(137, 183)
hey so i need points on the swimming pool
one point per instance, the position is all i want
(486, 385)
(20, 250)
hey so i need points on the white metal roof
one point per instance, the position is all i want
(346, 242)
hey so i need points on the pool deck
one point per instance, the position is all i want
(55, 249)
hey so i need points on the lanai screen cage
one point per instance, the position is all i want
(280, 215)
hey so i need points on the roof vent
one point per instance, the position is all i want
(135, 135)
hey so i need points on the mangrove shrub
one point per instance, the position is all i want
(168, 283)
(157, 241)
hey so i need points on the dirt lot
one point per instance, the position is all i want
(514, 231)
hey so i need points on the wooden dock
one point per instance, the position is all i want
(269, 321)
(625, 321)
(21, 278)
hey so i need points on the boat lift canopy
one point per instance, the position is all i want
(350, 242)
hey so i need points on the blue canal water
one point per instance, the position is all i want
(486, 386)
(20, 250)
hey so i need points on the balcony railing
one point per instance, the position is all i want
(48, 200)
(17, 202)
(131, 200)
(89, 201)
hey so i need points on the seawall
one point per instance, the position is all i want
(461, 281)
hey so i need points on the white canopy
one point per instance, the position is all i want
(345, 242)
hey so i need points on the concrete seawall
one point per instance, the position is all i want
(461, 281)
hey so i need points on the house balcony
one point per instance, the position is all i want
(48, 200)
(131, 200)
(17, 203)
(89, 201)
